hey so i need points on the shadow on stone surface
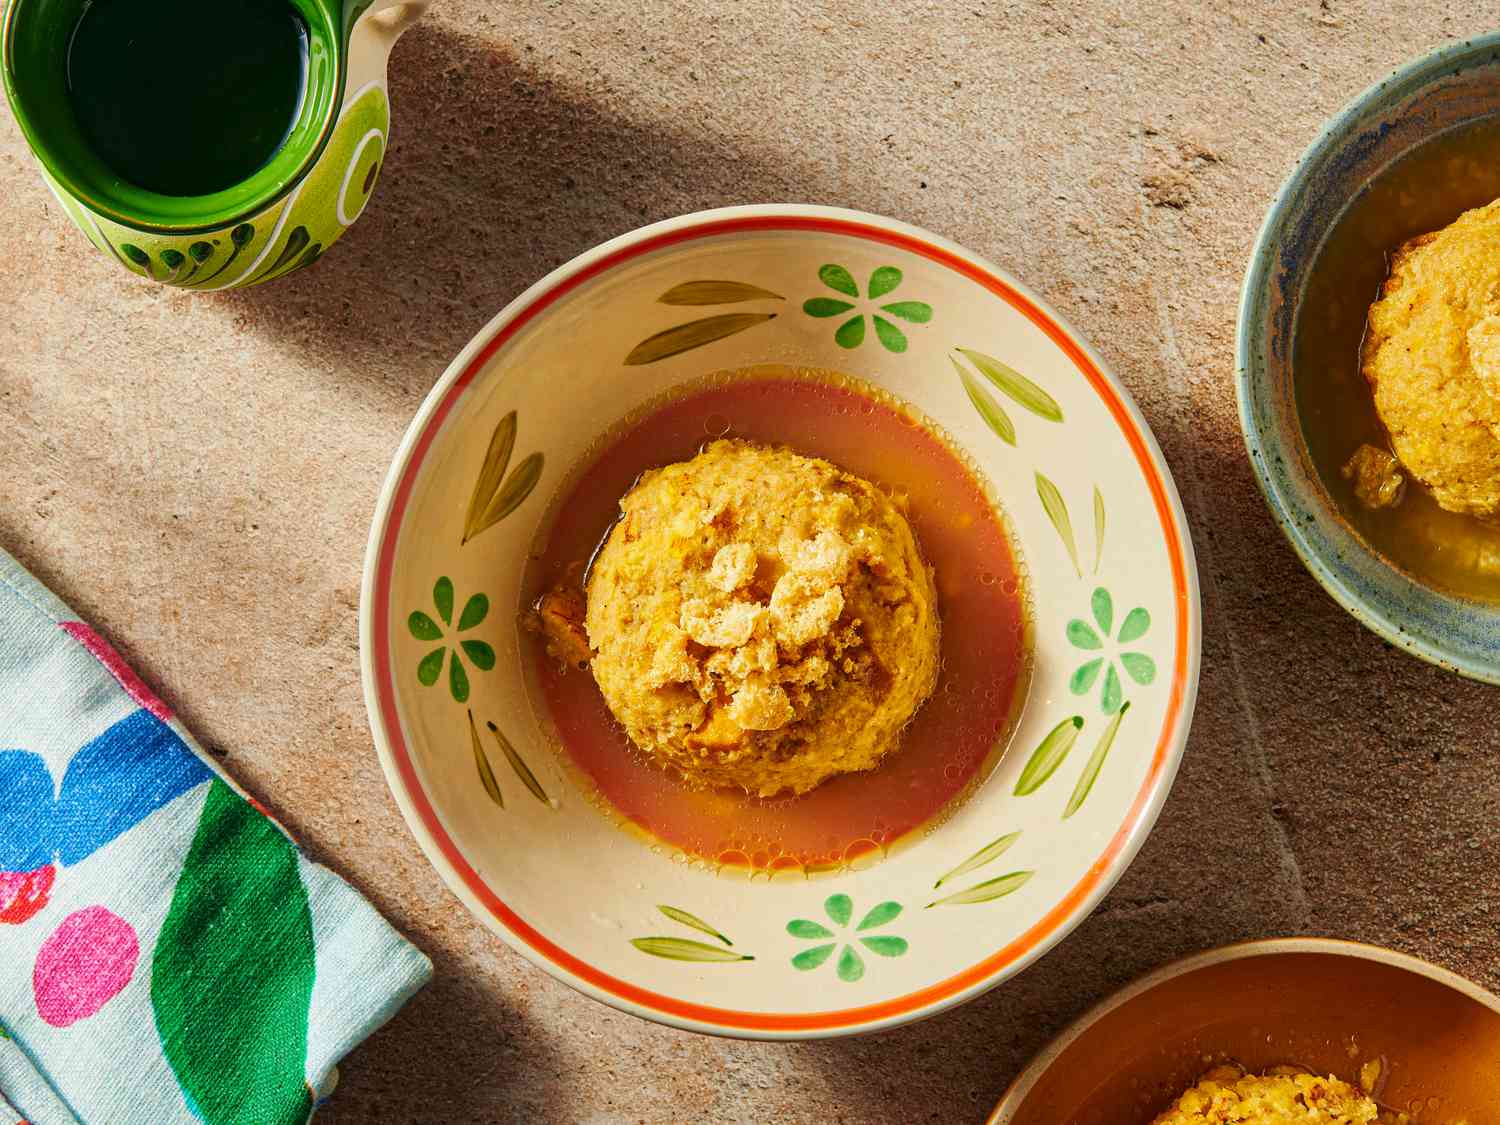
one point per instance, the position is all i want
(487, 1056)
(493, 178)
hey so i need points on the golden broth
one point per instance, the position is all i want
(953, 741)
(1424, 191)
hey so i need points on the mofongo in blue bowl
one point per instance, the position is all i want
(1405, 159)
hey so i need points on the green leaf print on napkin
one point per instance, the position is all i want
(232, 972)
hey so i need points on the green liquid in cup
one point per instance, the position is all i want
(187, 97)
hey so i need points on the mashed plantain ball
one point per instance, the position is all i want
(762, 620)
(1432, 357)
(1228, 1094)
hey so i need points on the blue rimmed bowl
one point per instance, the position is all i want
(1452, 86)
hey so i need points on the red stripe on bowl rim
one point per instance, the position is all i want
(1056, 923)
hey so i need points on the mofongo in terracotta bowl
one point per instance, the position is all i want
(1065, 581)
(1328, 1007)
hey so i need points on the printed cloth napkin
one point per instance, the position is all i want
(167, 954)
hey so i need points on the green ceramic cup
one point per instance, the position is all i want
(280, 219)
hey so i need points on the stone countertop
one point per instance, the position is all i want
(195, 474)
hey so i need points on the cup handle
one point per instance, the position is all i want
(390, 18)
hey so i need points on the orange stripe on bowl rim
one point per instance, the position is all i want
(935, 996)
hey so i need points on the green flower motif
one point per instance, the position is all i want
(850, 965)
(851, 333)
(1138, 666)
(424, 628)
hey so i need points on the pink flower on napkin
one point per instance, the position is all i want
(88, 959)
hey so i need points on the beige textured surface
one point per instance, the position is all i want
(195, 474)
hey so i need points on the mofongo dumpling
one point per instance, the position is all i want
(761, 620)
(1432, 357)
(1229, 1096)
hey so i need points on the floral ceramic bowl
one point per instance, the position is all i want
(1452, 86)
(472, 757)
(1325, 1006)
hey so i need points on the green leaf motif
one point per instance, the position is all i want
(1049, 754)
(512, 494)
(1139, 667)
(442, 597)
(879, 915)
(987, 854)
(825, 306)
(851, 333)
(480, 653)
(840, 908)
(681, 949)
(812, 958)
(693, 334)
(987, 891)
(482, 764)
(1112, 696)
(715, 293)
(519, 767)
(1098, 528)
(693, 921)
(984, 403)
(1104, 610)
(1057, 513)
(918, 312)
(423, 627)
(1081, 635)
(851, 966)
(232, 971)
(1137, 621)
(496, 461)
(885, 946)
(1095, 763)
(475, 611)
(884, 280)
(890, 336)
(805, 928)
(431, 666)
(1084, 676)
(840, 280)
(458, 680)
(1011, 383)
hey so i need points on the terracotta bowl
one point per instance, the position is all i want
(1329, 1006)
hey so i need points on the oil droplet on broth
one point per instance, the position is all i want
(985, 662)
